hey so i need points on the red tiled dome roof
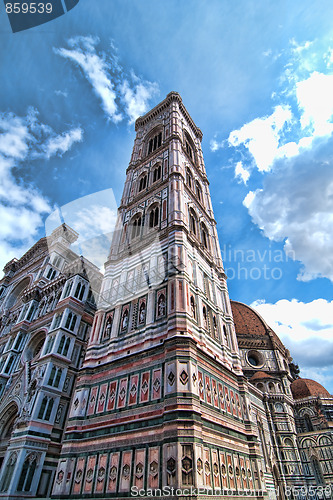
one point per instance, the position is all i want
(259, 375)
(247, 321)
(304, 387)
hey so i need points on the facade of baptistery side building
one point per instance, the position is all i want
(47, 308)
(150, 377)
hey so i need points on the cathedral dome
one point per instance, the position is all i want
(304, 387)
(247, 321)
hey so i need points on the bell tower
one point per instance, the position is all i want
(161, 400)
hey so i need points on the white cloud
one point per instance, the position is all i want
(307, 331)
(315, 99)
(21, 205)
(62, 143)
(108, 80)
(136, 100)
(242, 173)
(262, 137)
(95, 70)
(295, 205)
(215, 145)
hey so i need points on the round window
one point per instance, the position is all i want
(253, 361)
(254, 358)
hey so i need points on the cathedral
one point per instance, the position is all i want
(148, 381)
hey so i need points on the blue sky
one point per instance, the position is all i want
(257, 78)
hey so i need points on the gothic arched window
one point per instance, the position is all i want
(27, 474)
(204, 236)
(193, 222)
(155, 142)
(154, 216)
(143, 183)
(71, 321)
(136, 226)
(189, 178)
(199, 191)
(157, 173)
(79, 291)
(204, 315)
(192, 304)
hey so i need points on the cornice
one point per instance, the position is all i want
(171, 97)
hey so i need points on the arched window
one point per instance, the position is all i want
(189, 178)
(27, 474)
(193, 222)
(68, 289)
(79, 292)
(71, 321)
(155, 142)
(57, 320)
(157, 173)
(51, 274)
(143, 182)
(308, 423)
(204, 236)
(136, 227)
(154, 216)
(45, 408)
(49, 346)
(192, 304)
(55, 377)
(189, 150)
(56, 261)
(9, 364)
(215, 326)
(61, 344)
(225, 334)
(64, 345)
(317, 471)
(199, 191)
(204, 316)
(7, 477)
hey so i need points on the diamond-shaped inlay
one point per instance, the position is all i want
(139, 470)
(171, 378)
(133, 390)
(194, 378)
(113, 473)
(126, 471)
(184, 377)
(76, 403)
(186, 465)
(122, 393)
(157, 384)
(100, 474)
(153, 468)
(207, 468)
(112, 395)
(90, 475)
(171, 466)
(144, 387)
